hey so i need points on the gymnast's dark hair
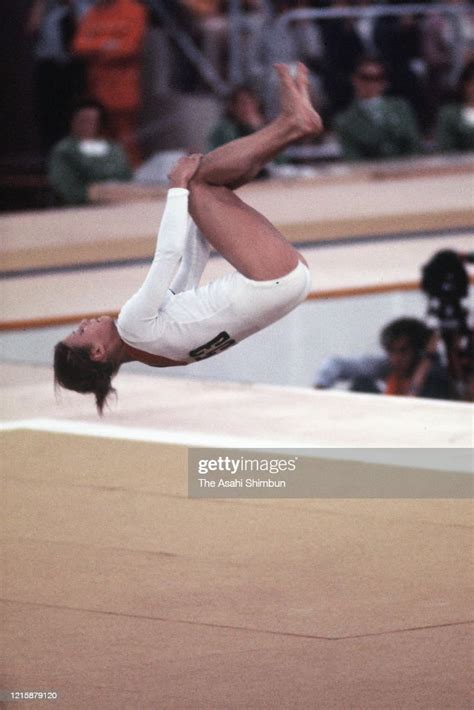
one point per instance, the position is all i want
(74, 370)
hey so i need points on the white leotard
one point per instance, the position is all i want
(173, 318)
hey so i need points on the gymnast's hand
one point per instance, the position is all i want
(183, 171)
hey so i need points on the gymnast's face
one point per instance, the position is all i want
(97, 334)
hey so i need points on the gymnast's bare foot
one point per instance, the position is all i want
(296, 107)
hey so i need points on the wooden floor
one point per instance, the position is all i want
(121, 592)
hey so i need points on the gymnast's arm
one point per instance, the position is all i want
(141, 310)
(196, 256)
(145, 303)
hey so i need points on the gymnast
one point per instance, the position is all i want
(171, 321)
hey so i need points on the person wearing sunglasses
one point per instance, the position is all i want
(375, 126)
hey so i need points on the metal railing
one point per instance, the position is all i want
(189, 48)
(454, 12)
(237, 25)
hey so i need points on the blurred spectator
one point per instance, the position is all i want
(410, 366)
(243, 115)
(375, 126)
(289, 43)
(438, 41)
(212, 27)
(110, 37)
(211, 31)
(343, 49)
(58, 77)
(252, 28)
(174, 69)
(455, 129)
(85, 156)
(298, 40)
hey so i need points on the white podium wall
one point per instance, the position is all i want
(286, 353)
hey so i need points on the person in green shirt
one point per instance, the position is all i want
(376, 126)
(455, 126)
(243, 115)
(85, 157)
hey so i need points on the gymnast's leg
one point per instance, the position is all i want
(235, 163)
(240, 234)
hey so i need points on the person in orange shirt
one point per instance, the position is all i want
(110, 38)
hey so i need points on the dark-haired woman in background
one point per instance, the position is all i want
(85, 157)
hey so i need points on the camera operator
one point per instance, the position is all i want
(410, 367)
(445, 281)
